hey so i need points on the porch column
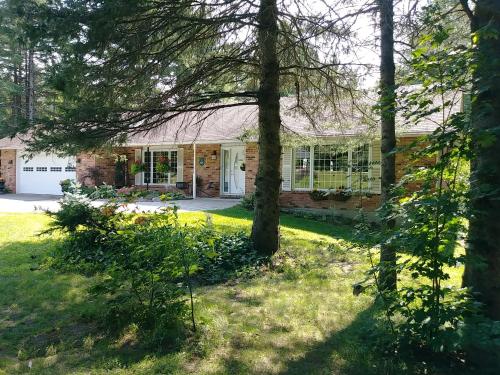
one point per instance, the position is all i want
(194, 170)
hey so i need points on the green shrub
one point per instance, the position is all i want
(67, 186)
(148, 264)
(171, 195)
(225, 256)
(248, 202)
(103, 191)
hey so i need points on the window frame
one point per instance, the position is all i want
(169, 150)
(349, 168)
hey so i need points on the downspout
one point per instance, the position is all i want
(194, 170)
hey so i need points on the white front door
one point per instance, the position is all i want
(43, 172)
(233, 170)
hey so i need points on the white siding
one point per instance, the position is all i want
(138, 156)
(375, 166)
(180, 165)
(286, 169)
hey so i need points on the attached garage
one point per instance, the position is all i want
(43, 172)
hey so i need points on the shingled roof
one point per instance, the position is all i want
(232, 124)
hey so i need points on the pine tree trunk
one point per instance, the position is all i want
(484, 226)
(30, 87)
(17, 101)
(387, 276)
(265, 230)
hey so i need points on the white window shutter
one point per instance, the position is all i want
(375, 166)
(180, 165)
(138, 156)
(286, 169)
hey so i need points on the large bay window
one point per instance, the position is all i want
(331, 167)
(152, 159)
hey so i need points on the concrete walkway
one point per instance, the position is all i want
(37, 202)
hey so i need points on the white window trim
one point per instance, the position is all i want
(151, 171)
(311, 174)
(311, 170)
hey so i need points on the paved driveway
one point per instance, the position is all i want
(36, 202)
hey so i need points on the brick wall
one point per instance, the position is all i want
(8, 168)
(302, 199)
(405, 162)
(209, 173)
(99, 167)
(251, 166)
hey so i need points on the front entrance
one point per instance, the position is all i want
(233, 170)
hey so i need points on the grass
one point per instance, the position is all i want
(299, 318)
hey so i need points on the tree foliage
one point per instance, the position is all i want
(431, 205)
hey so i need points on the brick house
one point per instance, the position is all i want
(222, 152)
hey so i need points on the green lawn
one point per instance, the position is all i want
(298, 318)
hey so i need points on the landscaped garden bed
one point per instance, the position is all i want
(124, 194)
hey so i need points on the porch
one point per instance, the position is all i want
(206, 170)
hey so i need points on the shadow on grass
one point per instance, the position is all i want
(288, 221)
(44, 313)
(348, 351)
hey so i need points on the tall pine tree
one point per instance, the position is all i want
(482, 271)
(133, 65)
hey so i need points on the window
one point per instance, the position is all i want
(56, 169)
(331, 167)
(70, 169)
(302, 168)
(151, 160)
(41, 169)
(27, 169)
(360, 168)
(328, 167)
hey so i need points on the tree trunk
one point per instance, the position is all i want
(17, 98)
(483, 276)
(265, 230)
(387, 276)
(30, 87)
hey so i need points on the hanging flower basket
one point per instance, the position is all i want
(162, 165)
(137, 167)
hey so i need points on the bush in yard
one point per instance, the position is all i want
(103, 191)
(147, 263)
(68, 186)
(225, 256)
(248, 202)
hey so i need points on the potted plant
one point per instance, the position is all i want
(137, 167)
(162, 165)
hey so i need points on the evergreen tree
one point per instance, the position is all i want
(482, 272)
(388, 135)
(128, 66)
(18, 70)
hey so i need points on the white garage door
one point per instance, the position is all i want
(42, 173)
